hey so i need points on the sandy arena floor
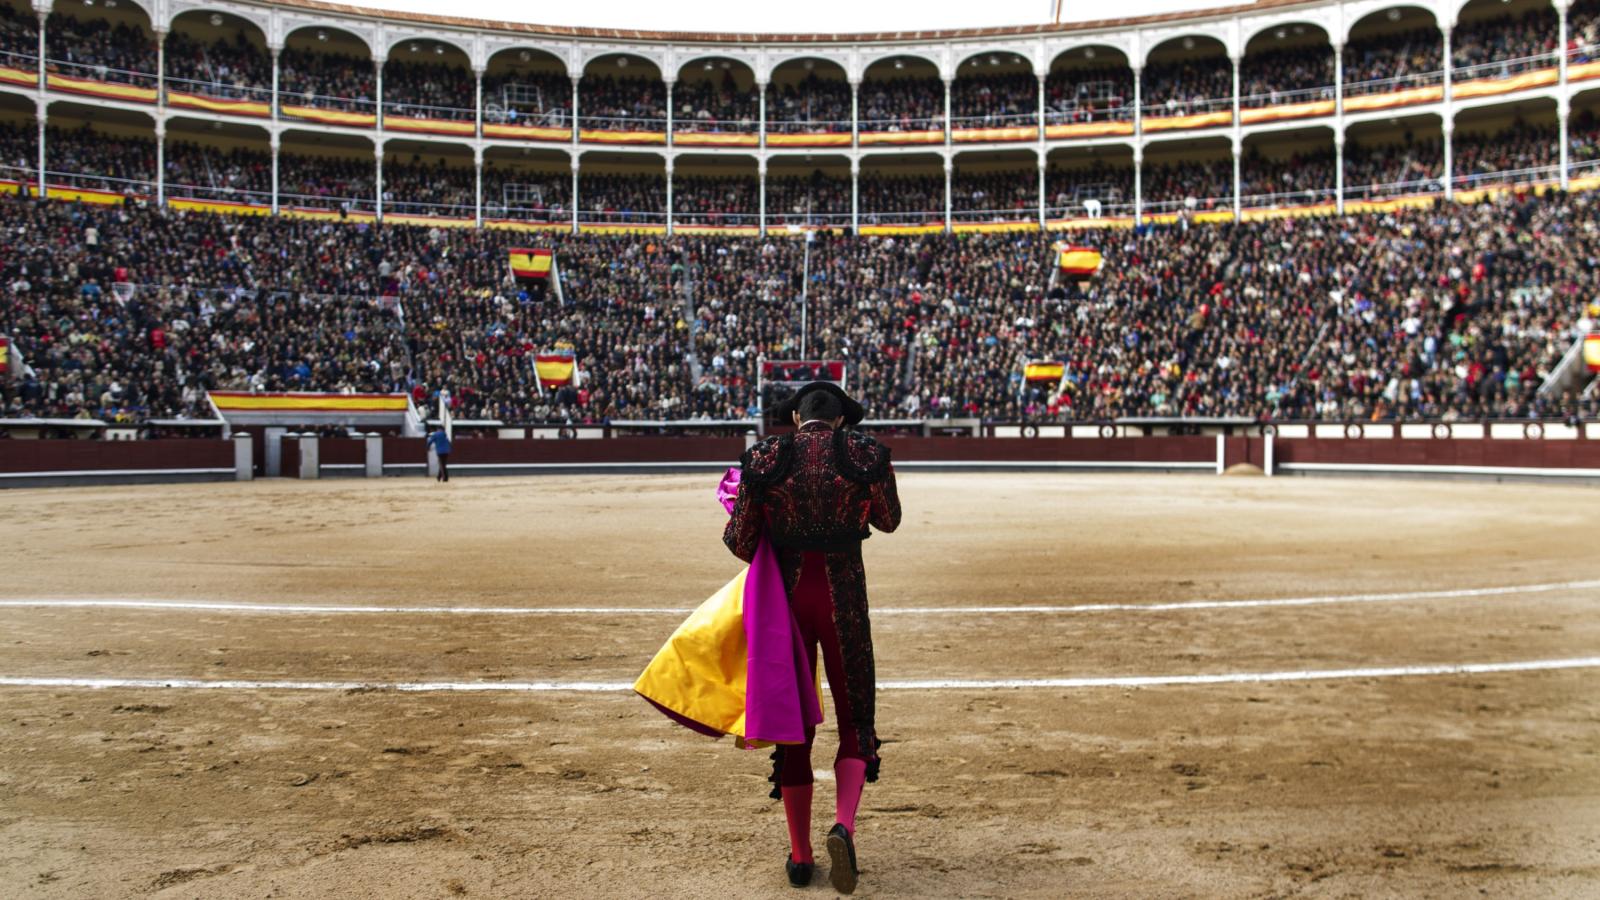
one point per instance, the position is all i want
(1440, 785)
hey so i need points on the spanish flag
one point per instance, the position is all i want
(529, 266)
(555, 368)
(1079, 261)
(1044, 370)
(5, 356)
(1591, 352)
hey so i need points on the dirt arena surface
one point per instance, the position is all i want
(1446, 785)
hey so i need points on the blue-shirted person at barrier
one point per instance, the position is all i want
(439, 443)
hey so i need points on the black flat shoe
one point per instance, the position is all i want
(799, 873)
(841, 860)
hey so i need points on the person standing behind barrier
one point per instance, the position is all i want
(439, 443)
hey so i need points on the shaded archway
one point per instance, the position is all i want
(327, 172)
(218, 56)
(429, 80)
(1511, 143)
(1188, 76)
(1188, 176)
(902, 98)
(427, 178)
(995, 187)
(1500, 38)
(1291, 63)
(1089, 183)
(1394, 157)
(218, 161)
(19, 142)
(527, 185)
(1583, 136)
(715, 192)
(100, 149)
(808, 190)
(994, 90)
(715, 95)
(1089, 85)
(106, 44)
(1391, 50)
(527, 86)
(1281, 169)
(627, 189)
(621, 92)
(330, 70)
(808, 97)
(902, 190)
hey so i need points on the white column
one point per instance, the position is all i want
(1043, 162)
(1236, 100)
(575, 200)
(669, 112)
(575, 80)
(1338, 171)
(377, 63)
(161, 162)
(761, 209)
(855, 196)
(1449, 160)
(949, 175)
(1238, 184)
(1564, 104)
(273, 101)
(44, 15)
(477, 115)
(43, 116)
(855, 112)
(949, 126)
(1338, 84)
(1042, 77)
(378, 180)
(1449, 114)
(1138, 185)
(669, 195)
(161, 68)
(477, 171)
(761, 123)
(275, 141)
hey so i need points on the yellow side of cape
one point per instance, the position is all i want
(700, 672)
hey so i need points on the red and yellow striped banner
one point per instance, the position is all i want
(887, 230)
(1583, 71)
(730, 230)
(601, 136)
(1264, 214)
(825, 139)
(14, 75)
(1287, 111)
(1591, 352)
(431, 221)
(1079, 261)
(453, 127)
(519, 225)
(1044, 370)
(1184, 123)
(329, 116)
(258, 108)
(530, 262)
(1492, 87)
(5, 355)
(555, 368)
(1084, 223)
(1088, 129)
(716, 139)
(995, 135)
(238, 401)
(83, 195)
(994, 227)
(620, 228)
(314, 214)
(1407, 97)
(869, 138)
(132, 93)
(527, 132)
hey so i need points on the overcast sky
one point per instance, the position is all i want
(801, 16)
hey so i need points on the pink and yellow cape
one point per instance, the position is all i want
(736, 665)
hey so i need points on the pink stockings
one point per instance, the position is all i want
(812, 603)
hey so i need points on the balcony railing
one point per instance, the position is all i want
(311, 98)
(903, 124)
(1013, 214)
(401, 207)
(1109, 209)
(809, 219)
(717, 219)
(925, 217)
(1505, 68)
(219, 90)
(96, 72)
(1383, 190)
(106, 183)
(1267, 98)
(808, 126)
(621, 217)
(1394, 84)
(24, 174)
(1188, 205)
(1118, 110)
(1174, 106)
(621, 123)
(1467, 181)
(19, 59)
(402, 109)
(1283, 199)
(223, 194)
(332, 202)
(547, 214)
(997, 120)
(714, 125)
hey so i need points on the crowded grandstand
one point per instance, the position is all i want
(1294, 220)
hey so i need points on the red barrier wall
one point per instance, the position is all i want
(1414, 452)
(341, 452)
(85, 456)
(531, 452)
(1045, 450)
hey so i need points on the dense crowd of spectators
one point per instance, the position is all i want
(1407, 167)
(1515, 42)
(1522, 151)
(233, 68)
(1583, 31)
(327, 182)
(1089, 94)
(1189, 86)
(83, 157)
(94, 48)
(901, 104)
(993, 101)
(812, 106)
(1288, 75)
(1448, 312)
(19, 33)
(715, 104)
(813, 199)
(439, 188)
(239, 174)
(622, 104)
(1583, 141)
(19, 151)
(1193, 185)
(900, 199)
(1372, 62)
(428, 90)
(622, 198)
(514, 97)
(510, 193)
(708, 200)
(326, 80)
(995, 196)
(1089, 191)
(1298, 179)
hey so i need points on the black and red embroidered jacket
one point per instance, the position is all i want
(814, 489)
